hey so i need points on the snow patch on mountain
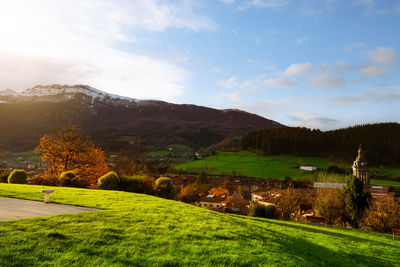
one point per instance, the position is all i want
(64, 92)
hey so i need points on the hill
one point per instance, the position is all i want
(134, 229)
(114, 121)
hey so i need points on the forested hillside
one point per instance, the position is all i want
(381, 142)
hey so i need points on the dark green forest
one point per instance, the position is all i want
(380, 142)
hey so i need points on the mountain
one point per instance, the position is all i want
(114, 121)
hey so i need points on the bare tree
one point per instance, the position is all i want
(383, 215)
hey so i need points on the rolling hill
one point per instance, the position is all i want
(134, 229)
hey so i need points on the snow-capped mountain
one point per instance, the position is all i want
(112, 119)
(58, 93)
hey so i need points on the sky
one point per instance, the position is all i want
(323, 64)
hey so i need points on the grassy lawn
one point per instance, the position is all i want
(159, 153)
(134, 229)
(384, 182)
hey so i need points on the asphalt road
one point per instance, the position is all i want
(12, 208)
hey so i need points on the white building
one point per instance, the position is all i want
(308, 168)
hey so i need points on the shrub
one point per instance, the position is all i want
(258, 210)
(109, 181)
(44, 180)
(68, 178)
(164, 188)
(4, 175)
(17, 177)
(270, 211)
(136, 184)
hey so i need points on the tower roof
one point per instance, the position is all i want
(360, 157)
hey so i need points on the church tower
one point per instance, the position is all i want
(360, 167)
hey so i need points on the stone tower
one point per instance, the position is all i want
(360, 167)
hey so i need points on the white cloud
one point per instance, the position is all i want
(258, 40)
(272, 108)
(382, 55)
(302, 39)
(277, 82)
(382, 94)
(236, 96)
(230, 83)
(367, 3)
(217, 70)
(373, 71)
(227, 1)
(298, 69)
(323, 80)
(314, 122)
(75, 42)
(270, 4)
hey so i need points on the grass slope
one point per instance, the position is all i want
(135, 229)
(248, 164)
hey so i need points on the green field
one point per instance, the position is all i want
(252, 165)
(134, 229)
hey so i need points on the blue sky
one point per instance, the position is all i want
(319, 64)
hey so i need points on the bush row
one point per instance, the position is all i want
(162, 187)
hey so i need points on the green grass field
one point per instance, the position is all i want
(140, 230)
(252, 165)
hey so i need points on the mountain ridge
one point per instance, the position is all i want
(26, 116)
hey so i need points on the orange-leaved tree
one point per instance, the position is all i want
(68, 149)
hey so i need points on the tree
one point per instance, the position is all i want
(219, 191)
(289, 203)
(329, 204)
(382, 216)
(68, 149)
(189, 194)
(164, 188)
(355, 201)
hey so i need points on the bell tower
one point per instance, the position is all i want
(360, 167)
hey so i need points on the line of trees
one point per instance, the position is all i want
(381, 142)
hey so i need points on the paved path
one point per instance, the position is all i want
(12, 208)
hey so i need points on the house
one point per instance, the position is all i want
(378, 191)
(236, 205)
(210, 202)
(308, 168)
(306, 197)
(258, 195)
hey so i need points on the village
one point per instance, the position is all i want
(273, 192)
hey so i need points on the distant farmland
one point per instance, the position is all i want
(252, 165)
